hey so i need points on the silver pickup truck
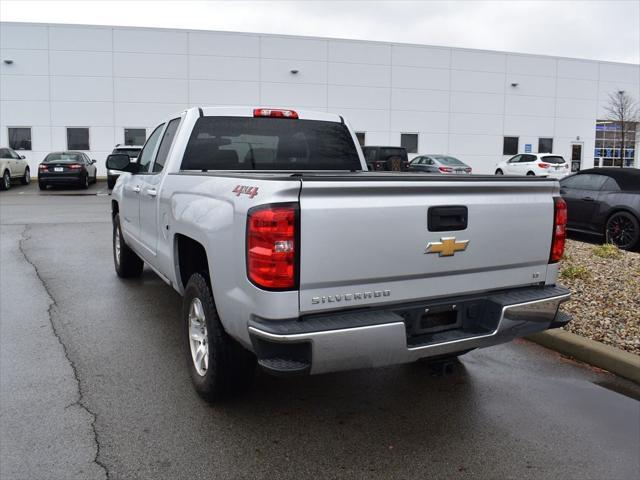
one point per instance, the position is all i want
(289, 254)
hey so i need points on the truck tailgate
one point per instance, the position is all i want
(363, 242)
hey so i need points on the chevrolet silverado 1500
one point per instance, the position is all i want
(289, 254)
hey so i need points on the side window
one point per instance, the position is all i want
(527, 158)
(5, 153)
(15, 154)
(147, 152)
(585, 182)
(429, 161)
(594, 182)
(371, 154)
(573, 181)
(87, 160)
(165, 145)
(515, 159)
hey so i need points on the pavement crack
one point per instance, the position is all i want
(80, 396)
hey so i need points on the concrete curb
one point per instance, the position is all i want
(623, 364)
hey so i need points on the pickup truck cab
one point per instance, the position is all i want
(291, 255)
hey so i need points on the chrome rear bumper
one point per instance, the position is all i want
(364, 339)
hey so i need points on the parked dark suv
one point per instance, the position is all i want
(386, 158)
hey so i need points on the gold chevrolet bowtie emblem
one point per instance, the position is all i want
(447, 246)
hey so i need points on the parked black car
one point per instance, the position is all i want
(67, 168)
(386, 158)
(605, 202)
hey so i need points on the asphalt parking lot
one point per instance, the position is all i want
(94, 385)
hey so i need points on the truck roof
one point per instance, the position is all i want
(247, 111)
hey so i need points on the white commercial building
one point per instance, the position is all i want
(90, 87)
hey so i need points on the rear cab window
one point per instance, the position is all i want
(249, 143)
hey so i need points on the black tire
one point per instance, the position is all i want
(623, 230)
(127, 263)
(531, 174)
(499, 172)
(5, 183)
(42, 186)
(84, 182)
(111, 182)
(230, 368)
(26, 178)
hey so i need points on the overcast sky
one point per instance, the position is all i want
(595, 29)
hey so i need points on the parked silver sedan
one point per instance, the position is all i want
(440, 164)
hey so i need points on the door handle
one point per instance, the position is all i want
(587, 199)
(152, 192)
(136, 189)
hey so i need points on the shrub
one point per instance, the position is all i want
(607, 250)
(575, 272)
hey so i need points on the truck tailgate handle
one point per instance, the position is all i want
(447, 218)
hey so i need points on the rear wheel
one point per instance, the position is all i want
(26, 178)
(84, 183)
(218, 365)
(499, 172)
(6, 181)
(42, 185)
(128, 264)
(623, 230)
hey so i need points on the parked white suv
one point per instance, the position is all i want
(540, 165)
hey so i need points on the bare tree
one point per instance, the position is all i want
(622, 109)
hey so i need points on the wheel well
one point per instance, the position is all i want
(619, 210)
(192, 258)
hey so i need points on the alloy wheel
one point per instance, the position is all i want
(116, 244)
(198, 337)
(621, 231)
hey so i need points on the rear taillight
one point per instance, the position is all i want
(43, 168)
(445, 169)
(75, 166)
(272, 246)
(543, 165)
(270, 112)
(559, 230)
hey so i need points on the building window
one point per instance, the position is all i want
(135, 136)
(510, 146)
(609, 142)
(361, 138)
(20, 138)
(409, 141)
(545, 145)
(77, 138)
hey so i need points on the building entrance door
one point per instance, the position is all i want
(576, 156)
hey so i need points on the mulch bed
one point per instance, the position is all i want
(605, 301)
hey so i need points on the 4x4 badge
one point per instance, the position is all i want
(447, 246)
(245, 190)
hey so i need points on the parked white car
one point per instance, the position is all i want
(13, 167)
(540, 165)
